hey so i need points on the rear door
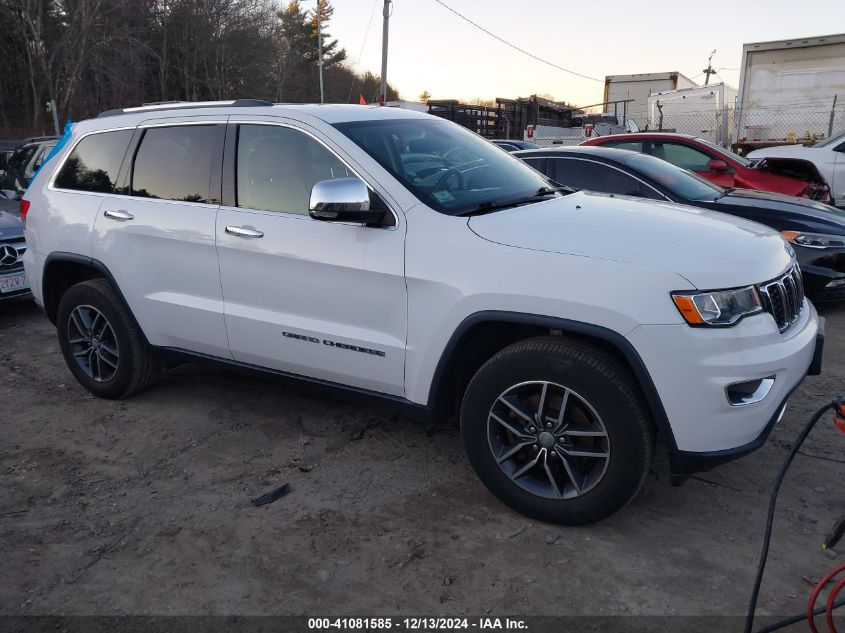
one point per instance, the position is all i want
(156, 235)
(320, 299)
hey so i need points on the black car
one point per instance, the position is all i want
(815, 230)
(510, 145)
(25, 161)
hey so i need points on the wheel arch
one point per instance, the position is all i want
(63, 270)
(474, 334)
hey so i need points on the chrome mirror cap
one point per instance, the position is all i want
(331, 199)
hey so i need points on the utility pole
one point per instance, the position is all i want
(51, 107)
(320, 48)
(709, 70)
(382, 97)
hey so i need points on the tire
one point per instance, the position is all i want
(570, 483)
(122, 363)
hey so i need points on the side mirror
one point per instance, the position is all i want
(343, 200)
(717, 165)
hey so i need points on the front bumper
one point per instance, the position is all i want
(692, 367)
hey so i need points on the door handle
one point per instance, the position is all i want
(119, 215)
(241, 231)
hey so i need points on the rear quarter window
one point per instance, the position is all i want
(94, 162)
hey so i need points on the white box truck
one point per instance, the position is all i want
(790, 91)
(703, 111)
(639, 87)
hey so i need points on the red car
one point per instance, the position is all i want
(788, 176)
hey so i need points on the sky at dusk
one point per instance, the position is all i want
(433, 49)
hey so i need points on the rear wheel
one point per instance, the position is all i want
(103, 347)
(556, 430)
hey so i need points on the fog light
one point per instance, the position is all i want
(749, 391)
(836, 282)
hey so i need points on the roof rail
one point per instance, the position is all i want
(37, 139)
(184, 105)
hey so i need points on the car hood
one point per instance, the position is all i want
(795, 150)
(798, 210)
(10, 225)
(711, 250)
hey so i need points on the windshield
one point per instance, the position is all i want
(724, 152)
(679, 181)
(444, 165)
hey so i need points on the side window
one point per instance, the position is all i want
(94, 162)
(601, 178)
(277, 167)
(174, 163)
(23, 156)
(537, 163)
(45, 152)
(681, 155)
(634, 146)
(580, 174)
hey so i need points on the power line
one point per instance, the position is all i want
(361, 52)
(514, 46)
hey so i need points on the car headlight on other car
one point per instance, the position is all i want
(814, 240)
(718, 307)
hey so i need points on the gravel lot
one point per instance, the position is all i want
(143, 507)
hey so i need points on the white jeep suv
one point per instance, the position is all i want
(399, 255)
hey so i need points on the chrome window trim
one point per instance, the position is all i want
(143, 125)
(663, 198)
(332, 152)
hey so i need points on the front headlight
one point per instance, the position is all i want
(719, 307)
(814, 240)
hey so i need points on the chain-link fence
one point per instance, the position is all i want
(746, 128)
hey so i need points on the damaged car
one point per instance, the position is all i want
(791, 176)
(828, 157)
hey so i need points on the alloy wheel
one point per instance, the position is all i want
(548, 440)
(93, 343)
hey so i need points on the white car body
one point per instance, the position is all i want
(828, 157)
(402, 294)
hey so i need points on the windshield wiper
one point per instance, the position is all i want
(544, 191)
(492, 205)
(725, 192)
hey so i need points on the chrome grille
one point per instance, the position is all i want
(783, 297)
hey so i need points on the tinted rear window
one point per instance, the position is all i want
(174, 163)
(94, 163)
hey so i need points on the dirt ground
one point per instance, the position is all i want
(143, 507)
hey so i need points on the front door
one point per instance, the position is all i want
(320, 299)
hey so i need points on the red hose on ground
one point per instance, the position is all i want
(829, 606)
(811, 603)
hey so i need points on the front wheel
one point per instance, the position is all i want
(102, 345)
(556, 430)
